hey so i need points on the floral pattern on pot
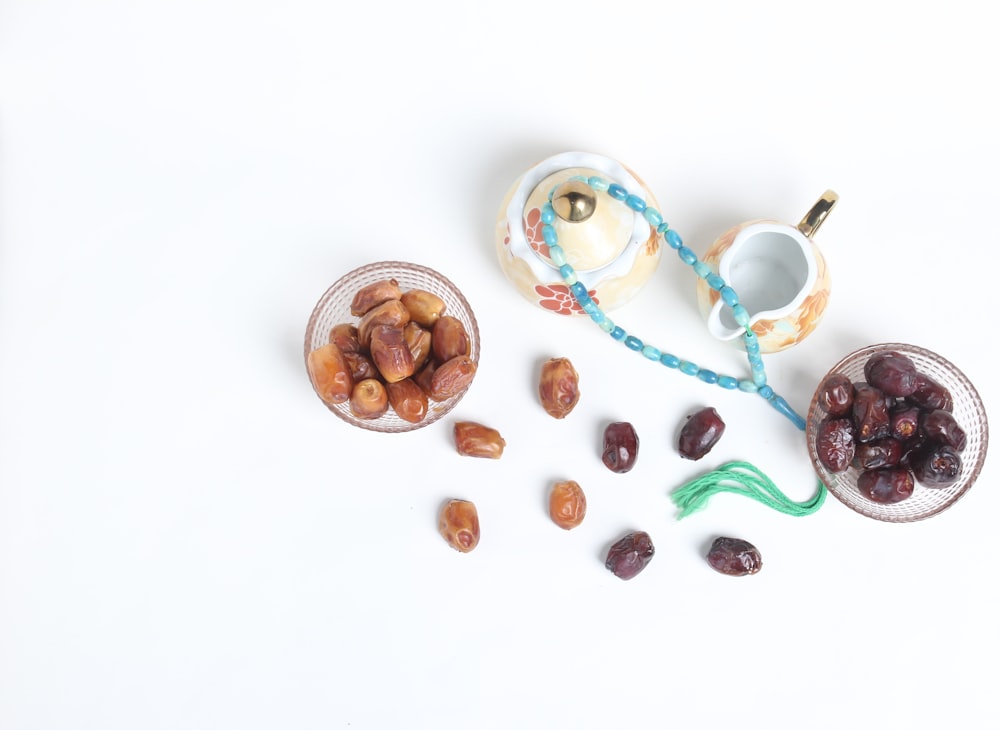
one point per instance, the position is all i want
(614, 255)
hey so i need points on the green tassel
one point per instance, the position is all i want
(741, 477)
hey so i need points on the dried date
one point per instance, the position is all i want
(870, 412)
(407, 399)
(700, 433)
(369, 399)
(475, 439)
(390, 353)
(930, 395)
(449, 339)
(330, 374)
(621, 447)
(733, 556)
(458, 523)
(630, 555)
(451, 378)
(835, 444)
(425, 307)
(879, 453)
(567, 504)
(559, 387)
(371, 295)
(891, 372)
(836, 395)
(940, 425)
(886, 486)
(937, 465)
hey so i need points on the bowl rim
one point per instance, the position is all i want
(883, 512)
(379, 425)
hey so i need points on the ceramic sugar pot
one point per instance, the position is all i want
(613, 249)
(776, 272)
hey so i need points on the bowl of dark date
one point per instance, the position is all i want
(897, 432)
(392, 346)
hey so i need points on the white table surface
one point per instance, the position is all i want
(189, 539)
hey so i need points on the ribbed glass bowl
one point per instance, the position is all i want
(334, 307)
(925, 501)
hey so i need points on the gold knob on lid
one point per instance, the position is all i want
(574, 201)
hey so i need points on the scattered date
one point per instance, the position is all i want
(733, 556)
(700, 433)
(630, 555)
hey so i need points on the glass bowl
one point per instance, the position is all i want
(925, 501)
(334, 307)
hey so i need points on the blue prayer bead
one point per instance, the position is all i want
(708, 376)
(557, 255)
(741, 315)
(728, 382)
(702, 269)
(715, 281)
(568, 274)
(748, 386)
(729, 296)
(579, 178)
(579, 290)
(618, 333)
(756, 364)
(607, 324)
(548, 214)
(549, 235)
(673, 239)
(759, 378)
(589, 306)
(652, 216)
(617, 192)
(651, 353)
(597, 315)
(687, 255)
(635, 203)
(688, 368)
(671, 361)
(663, 228)
(781, 405)
(633, 343)
(765, 392)
(598, 183)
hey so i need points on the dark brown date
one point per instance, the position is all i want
(733, 556)
(630, 555)
(879, 453)
(700, 433)
(930, 395)
(836, 395)
(891, 372)
(835, 443)
(886, 486)
(937, 465)
(939, 425)
(904, 421)
(621, 447)
(870, 412)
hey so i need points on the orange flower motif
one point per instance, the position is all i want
(533, 232)
(559, 299)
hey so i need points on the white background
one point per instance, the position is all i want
(189, 539)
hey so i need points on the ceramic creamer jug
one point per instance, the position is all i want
(778, 274)
(613, 249)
